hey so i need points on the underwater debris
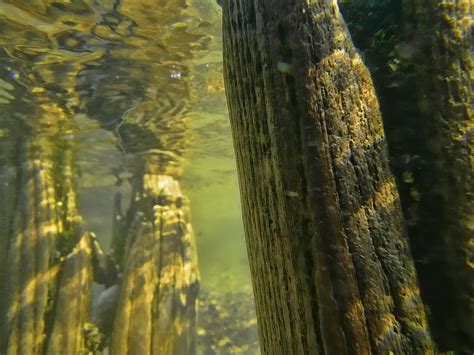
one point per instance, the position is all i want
(285, 67)
(226, 323)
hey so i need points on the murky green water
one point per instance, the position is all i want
(123, 85)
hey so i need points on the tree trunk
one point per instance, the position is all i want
(331, 268)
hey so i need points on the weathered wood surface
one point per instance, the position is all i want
(443, 31)
(423, 50)
(71, 312)
(41, 231)
(331, 268)
(156, 311)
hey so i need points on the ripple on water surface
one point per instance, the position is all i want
(120, 83)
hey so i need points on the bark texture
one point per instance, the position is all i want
(74, 296)
(41, 231)
(423, 49)
(156, 311)
(331, 267)
(445, 66)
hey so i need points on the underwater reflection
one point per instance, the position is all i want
(105, 106)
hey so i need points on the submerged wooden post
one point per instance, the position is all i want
(156, 312)
(46, 287)
(423, 71)
(50, 264)
(71, 313)
(443, 31)
(331, 268)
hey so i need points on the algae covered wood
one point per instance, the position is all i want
(331, 268)
(71, 312)
(50, 264)
(443, 30)
(41, 231)
(424, 53)
(156, 311)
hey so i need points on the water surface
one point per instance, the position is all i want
(125, 82)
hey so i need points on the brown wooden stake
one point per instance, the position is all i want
(331, 268)
(42, 231)
(443, 34)
(156, 312)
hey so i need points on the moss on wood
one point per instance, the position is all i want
(331, 267)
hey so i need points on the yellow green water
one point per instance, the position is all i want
(117, 78)
(103, 62)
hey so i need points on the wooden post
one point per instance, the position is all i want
(42, 232)
(423, 74)
(156, 312)
(443, 30)
(331, 268)
(71, 313)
